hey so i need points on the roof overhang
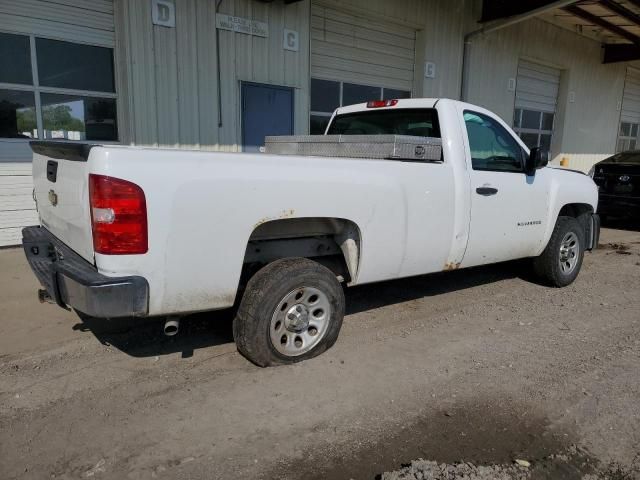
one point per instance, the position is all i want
(613, 23)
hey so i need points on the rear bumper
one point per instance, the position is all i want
(73, 282)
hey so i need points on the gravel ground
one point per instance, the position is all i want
(470, 369)
(574, 463)
(426, 470)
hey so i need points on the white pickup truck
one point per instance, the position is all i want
(136, 232)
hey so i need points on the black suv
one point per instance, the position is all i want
(618, 181)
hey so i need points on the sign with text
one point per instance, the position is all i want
(242, 25)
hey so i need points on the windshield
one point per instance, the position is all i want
(421, 122)
(625, 157)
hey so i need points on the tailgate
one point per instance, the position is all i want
(60, 178)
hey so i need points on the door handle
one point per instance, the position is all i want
(486, 191)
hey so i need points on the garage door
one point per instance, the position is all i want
(536, 99)
(354, 59)
(630, 114)
(358, 49)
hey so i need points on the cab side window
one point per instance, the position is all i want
(492, 147)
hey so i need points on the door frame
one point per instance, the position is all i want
(270, 85)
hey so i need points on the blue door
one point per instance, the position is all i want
(266, 110)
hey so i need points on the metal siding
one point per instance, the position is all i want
(187, 77)
(141, 50)
(296, 66)
(172, 72)
(11, 218)
(587, 125)
(442, 43)
(537, 87)
(17, 208)
(440, 27)
(122, 62)
(166, 70)
(631, 97)
(230, 63)
(205, 75)
(409, 13)
(353, 47)
(579, 161)
(90, 21)
(104, 6)
(11, 236)
(14, 151)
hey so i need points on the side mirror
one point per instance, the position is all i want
(538, 158)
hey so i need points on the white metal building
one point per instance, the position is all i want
(219, 74)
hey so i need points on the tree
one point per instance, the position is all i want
(58, 117)
(26, 119)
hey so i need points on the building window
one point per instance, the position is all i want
(56, 90)
(628, 136)
(533, 127)
(327, 95)
(18, 114)
(15, 59)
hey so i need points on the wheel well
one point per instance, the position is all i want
(581, 212)
(575, 210)
(332, 242)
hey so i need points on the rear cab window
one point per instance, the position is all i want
(420, 122)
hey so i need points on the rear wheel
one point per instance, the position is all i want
(291, 310)
(560, 262)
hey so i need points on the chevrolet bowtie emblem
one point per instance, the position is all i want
(53, 198)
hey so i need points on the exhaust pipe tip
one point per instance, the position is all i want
(44, 297)
(171, 326)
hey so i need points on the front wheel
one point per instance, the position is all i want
(291, 310)
(560, 262)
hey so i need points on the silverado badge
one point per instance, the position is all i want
(53, 198)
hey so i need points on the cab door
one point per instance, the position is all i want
(508, 207)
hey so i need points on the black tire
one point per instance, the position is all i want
(548, 266)
(266, 291)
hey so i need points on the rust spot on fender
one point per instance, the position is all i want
(284, 214)
(451, 266)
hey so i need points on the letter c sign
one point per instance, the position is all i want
(290, 40)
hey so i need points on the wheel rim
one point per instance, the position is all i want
(300, 321)
(569, 253)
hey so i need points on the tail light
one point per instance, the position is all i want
(118, 216)
(381, 103)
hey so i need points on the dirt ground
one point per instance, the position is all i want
(482, 366)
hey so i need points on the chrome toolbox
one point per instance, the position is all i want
(382, 147)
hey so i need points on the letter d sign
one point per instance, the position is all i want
(163, 13)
